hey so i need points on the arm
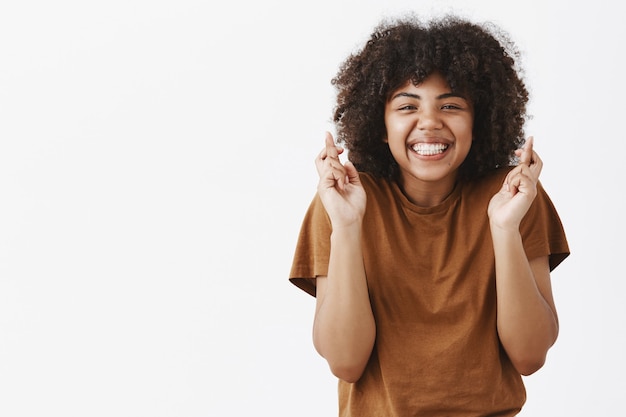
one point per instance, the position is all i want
(344, 330)
(526, 315)
(526, 319)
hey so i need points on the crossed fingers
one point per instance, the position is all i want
(529, 168)
(329, 167)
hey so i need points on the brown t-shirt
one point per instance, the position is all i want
(431, 280)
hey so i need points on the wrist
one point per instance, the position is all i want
(346, 231)
(504, 233)
(504, 227)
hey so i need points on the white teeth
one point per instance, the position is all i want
(427, 149)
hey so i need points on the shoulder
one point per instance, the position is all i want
(491, 179)
(377, 189)
(485, 186)
(370, 181)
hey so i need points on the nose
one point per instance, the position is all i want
(429, 119)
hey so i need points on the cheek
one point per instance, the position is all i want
(464, 131)
(397, 127)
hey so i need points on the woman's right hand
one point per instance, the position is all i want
(340, 187)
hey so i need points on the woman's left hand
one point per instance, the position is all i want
(509, 206)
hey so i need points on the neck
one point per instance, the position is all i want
(427, 193)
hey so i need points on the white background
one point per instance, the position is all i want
(156, 159)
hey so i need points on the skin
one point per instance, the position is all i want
(527, 320)
(344, 328)
(428, 114)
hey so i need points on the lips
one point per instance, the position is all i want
(429, 149)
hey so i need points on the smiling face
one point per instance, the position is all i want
(429, 133)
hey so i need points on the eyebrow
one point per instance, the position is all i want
(418, 97)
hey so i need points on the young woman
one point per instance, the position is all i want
(430, 250)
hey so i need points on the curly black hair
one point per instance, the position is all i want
(477, 60)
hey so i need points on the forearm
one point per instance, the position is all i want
(344, 329)
(527, 323)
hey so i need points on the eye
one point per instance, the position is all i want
(451, 107)
(407, 107)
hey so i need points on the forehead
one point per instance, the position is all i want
(434, 84)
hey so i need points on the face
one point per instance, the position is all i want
(429, 133)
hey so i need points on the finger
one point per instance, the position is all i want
(511, 179)
(331, 178)
(338, 171)
(513, 172)
(332, 173)
(536, 166)
(527, 152)
(352, 173)
(523, 183)
(512, 182)
(322, 154)
(532, 172)
(331, 148)
(329, 143)
(326, 165)
(321, 157)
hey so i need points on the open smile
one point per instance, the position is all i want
(429, 149)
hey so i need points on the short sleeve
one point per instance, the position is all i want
(542, 231)
(312, 248)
